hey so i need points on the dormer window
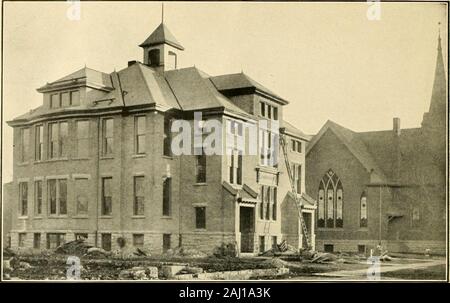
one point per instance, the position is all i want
(64, 99)
(54, 101)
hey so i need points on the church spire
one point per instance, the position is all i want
(438, 95)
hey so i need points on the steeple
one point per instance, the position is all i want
(436, 114)
(161, 49)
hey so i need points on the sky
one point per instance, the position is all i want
(328, 59)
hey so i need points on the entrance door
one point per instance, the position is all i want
(247, 228)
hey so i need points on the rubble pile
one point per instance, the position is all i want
(75, 248)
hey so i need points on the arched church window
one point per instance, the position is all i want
(331, 201)
(321, 206)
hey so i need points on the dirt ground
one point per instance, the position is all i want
(54, 267)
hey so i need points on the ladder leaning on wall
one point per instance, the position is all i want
(298, 203)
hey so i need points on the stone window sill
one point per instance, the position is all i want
(23, 218)
(106, 217)
(167, 157)
(138, 217)
(137, 156)
(58, 216)
(38, 218)
(166, 217)
(84, 158)
(81, 217)
(106, 157)
(56, 159)
(201, 184)
(23, 164)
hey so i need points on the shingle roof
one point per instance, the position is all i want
(162, 35)
(241, 81)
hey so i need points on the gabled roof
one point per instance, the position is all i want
(162, 35)
(239, 81)
(354, 143)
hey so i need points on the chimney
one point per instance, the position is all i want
(396, 126)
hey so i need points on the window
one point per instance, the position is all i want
(267, 148)
(166, 242)
(167, 139)
(39, 142)
(139, 130)
(297, 172)
(267, 203)
(268, 111)
(74, 97)
(37, 241)
(262, 244)
(200, 217)
(58, 136)
(262, 109)
(23, 198)
(363, 211)
(106, 242)
(415, 217)
(108, 137)
(200, 167)
(54, 101)
(81, 196)
(328, 248)
(274, 242)
(331, 202)
(82, 139)
(24, 144)
(65, 99)
(275, 113)
(62, 196)
(38, 197)
(361, 249)
(274, 205)
(22, 239)
(82, 236)
(167, 191)
(54, 240)
(139, 196)
(106, 196)
(234, 161)
(57, 189)
(138, 240)
(154, 57)
(296, 146)
(261, 204)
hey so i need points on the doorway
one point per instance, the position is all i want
(247, 228)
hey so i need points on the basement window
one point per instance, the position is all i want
(166, 242)
(54, 240)
(328, 248)
(22, 238)
(138, 240)
(106, 242)
(37, 241)
(200, 217)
